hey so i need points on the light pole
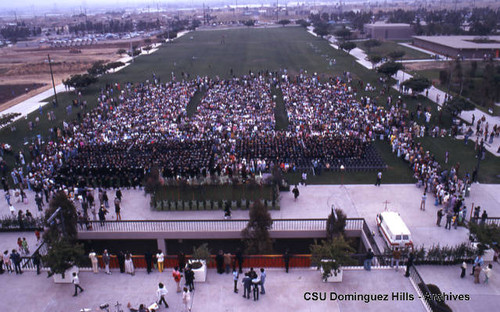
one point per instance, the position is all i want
(342, 170)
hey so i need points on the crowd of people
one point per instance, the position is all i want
(137, 127)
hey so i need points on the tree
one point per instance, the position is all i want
(369, 44)
(390, 68)
(347, 46)
(303, 23)
(336, 249)
(114, 65)
(417, 84)
(457, 105)
(98, 68)
(61, 235)
(321, 29)
(80, 81)
(335, 224)
(374, 59)
(256, 234)
(395, 55)
(343, 33)
(121, 51)
(284, 22)
(148, 48)
(249, 23)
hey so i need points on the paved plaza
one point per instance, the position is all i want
(284, 292)
(315, 201)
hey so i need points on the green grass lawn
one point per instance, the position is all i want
(201, 53)
(489, 168)
(389, 46)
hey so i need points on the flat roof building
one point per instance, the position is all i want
(460, 46)
(383, 31)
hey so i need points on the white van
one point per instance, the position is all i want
(394, 230)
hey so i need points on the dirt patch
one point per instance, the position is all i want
(8, 92)
(28, 67)
(426, 65)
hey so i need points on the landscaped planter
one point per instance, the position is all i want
(335, 276)
(68, 275)
(200, 274)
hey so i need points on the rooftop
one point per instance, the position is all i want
(462, 42)
(387, 25)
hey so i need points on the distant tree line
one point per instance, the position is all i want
(481, 21)
(19, 31)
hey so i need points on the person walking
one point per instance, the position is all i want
(262, 281)
(396, 256)
(464, 269)
(449, 217)
(295, 192)
(36, 262)
(247, 286)
(121, 261)
(189, 277)
(487, 273)
(26, 249)
(106, 259)
(177, 278)
(477, 271)
(16, 260)
(379, 178)
(409, 263)
(129, 264)
(117, 209)
(286, 259)
(76, 281)
(186, 299)
(219, 259)
(422, 203)
(227, 262)
(239, 258)
(93, 259)
(255, 284)
(235, 279)
(149, 261)
(439, 216)
(160, 258)
(7, 262)
(161, 293)
(102, 214)
(477, 262)
(368, 260)
(181, 260)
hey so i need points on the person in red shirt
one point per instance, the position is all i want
(177, 278)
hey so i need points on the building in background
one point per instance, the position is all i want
(460, 46)
(383, 31)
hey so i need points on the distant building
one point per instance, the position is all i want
(463, 46)
(383, 31)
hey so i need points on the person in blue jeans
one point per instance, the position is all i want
(368, 260)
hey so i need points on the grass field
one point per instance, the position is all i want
(389, 46)
(202, 53)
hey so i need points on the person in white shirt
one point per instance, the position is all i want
(186, 299)
(160, 257)
(76, 281)
(93, 259)
(161, 293)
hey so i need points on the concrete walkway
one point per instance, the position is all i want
(284, 292)
(315, 201)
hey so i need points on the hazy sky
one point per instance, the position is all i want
(89, 4)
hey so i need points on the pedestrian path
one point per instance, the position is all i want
(316, 201)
